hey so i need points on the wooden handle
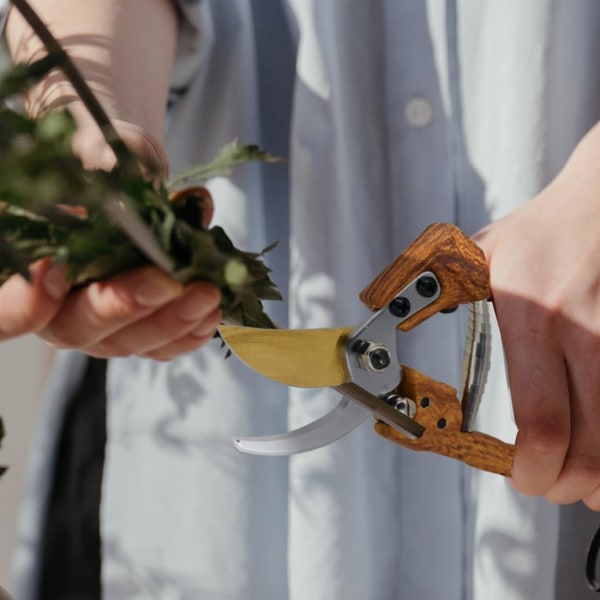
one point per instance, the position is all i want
(439, 411)
(457, 262)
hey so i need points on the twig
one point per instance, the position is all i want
(124, 156)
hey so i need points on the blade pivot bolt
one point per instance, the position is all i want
(400, 307)
(427, 286)
(379, 358)
(372, 356)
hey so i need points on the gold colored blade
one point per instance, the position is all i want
(297, 357)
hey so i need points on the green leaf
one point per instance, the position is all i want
(45, 176)
(40, 174)
(230, 155)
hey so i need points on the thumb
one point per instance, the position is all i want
(200, 197)
(26, 307)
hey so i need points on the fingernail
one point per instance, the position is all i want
(155, 291)
(55, 282)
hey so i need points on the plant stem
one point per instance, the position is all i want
(124, 156)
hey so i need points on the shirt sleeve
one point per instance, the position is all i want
(195, 38)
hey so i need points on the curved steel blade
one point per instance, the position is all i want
(341, 420)
(297, 357)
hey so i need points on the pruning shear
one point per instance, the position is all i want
(441, 269)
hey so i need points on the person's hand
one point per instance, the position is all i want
(545, 278)
(141, 312)
(28, 306)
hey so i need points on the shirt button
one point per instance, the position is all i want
(418, 112)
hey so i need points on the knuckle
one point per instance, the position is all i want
(527, 488)
(545, 436)
(540, 325)
(108, 305)
(582, 466)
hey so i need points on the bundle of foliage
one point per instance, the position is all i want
(40, 176)
(50, 206)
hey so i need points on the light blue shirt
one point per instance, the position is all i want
(403, 113)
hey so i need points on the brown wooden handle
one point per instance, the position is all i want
(457, 262)
(439, 411)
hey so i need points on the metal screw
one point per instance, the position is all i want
(427, 286)
(360, 347)
(380, 358)
(374, 357)
(403, 405)
(400, 307)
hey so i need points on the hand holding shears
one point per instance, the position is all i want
(440, 270)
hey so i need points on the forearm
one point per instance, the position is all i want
(124, 48)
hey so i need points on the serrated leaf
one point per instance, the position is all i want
(269, 248)
(40, 171)
(229, 156)
(93, 248)
(44, 172)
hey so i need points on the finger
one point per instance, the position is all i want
(580, 474)
(102, 308)
(27, 307)
(208, 208)
(592, 500)
(540, 395)
(196, 312)
(184, 345)
(199, 194)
